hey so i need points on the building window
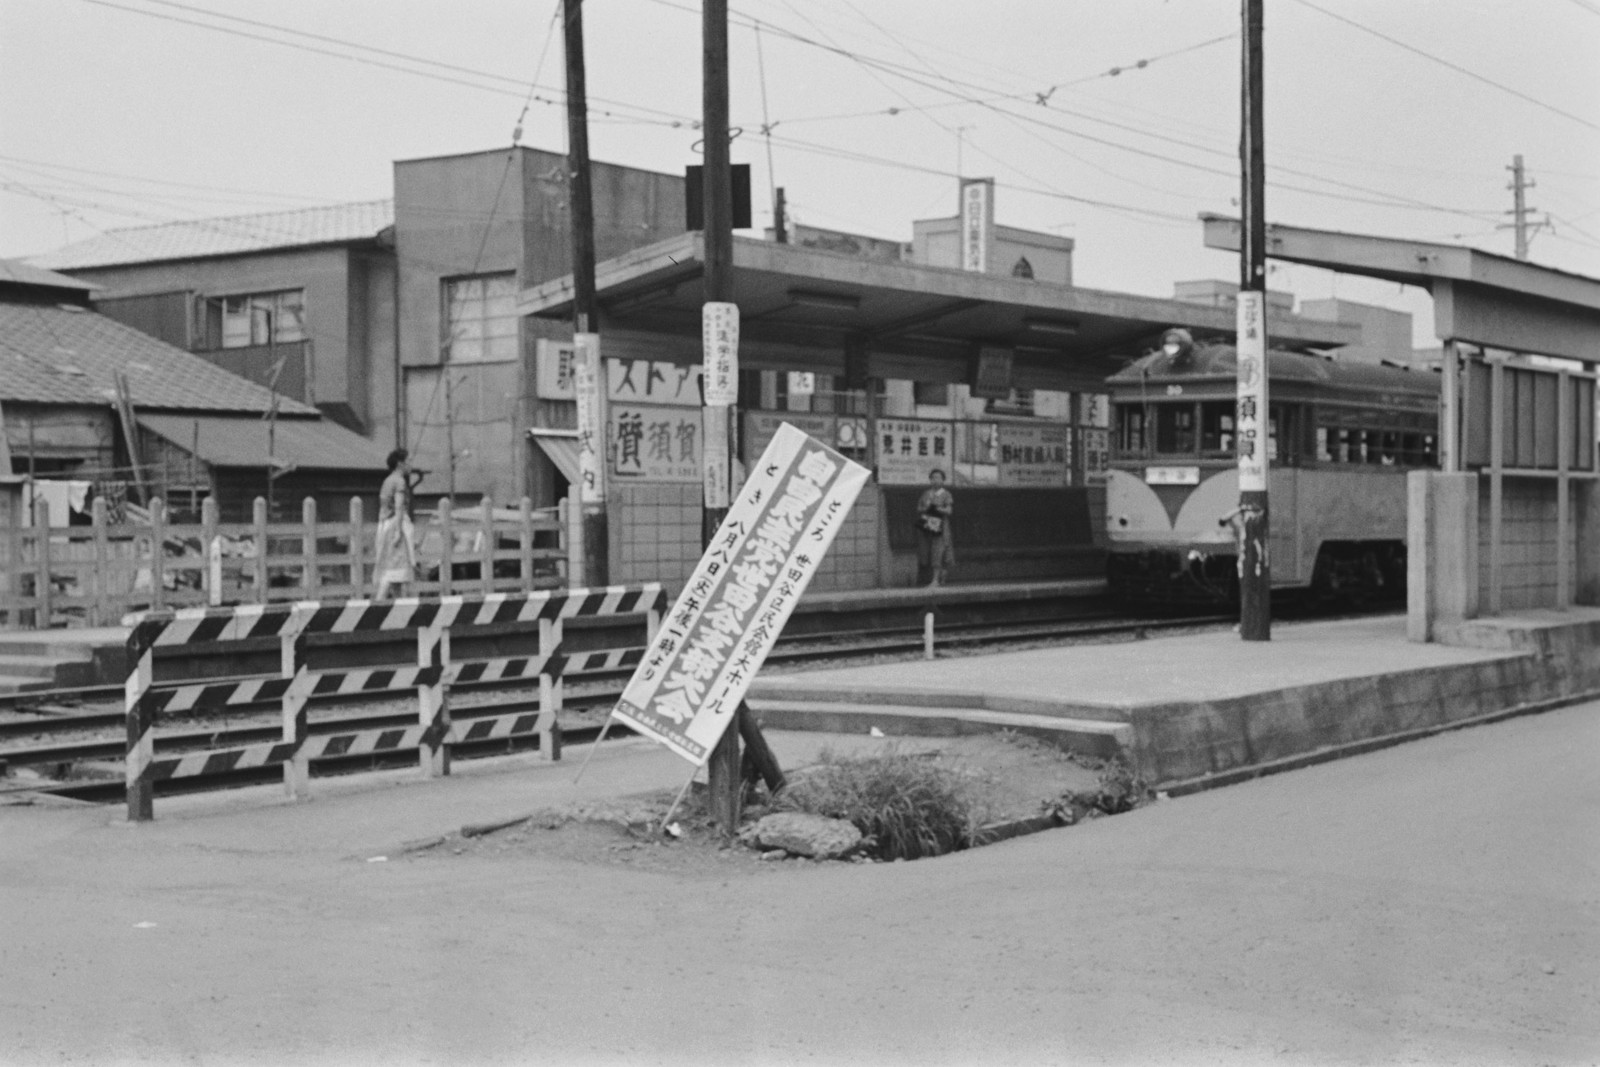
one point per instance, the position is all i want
(481, 318)
(1022, 269)
(246, 320)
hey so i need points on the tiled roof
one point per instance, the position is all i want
(14, 272)
(241, 441)
(227, 236)
(60, 354)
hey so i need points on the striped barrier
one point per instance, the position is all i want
(431, 676)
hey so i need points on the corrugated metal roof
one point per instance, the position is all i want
(198, 238)
(241, 441)
(63, 354)
(16, 272)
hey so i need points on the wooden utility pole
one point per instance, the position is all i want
(725, 786)
(1253, 424)
(586, 314)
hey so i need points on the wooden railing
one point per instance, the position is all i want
(94, 575)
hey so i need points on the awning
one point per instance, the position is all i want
(562, 448)
(242, 441)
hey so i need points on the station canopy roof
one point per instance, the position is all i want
(801, 307)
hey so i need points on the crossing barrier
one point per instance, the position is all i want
(431, 675)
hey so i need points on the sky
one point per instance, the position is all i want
(1113, 122)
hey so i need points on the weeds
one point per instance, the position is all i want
(906, 806)
(1118, 790)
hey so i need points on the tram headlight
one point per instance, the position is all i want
(1177, 344)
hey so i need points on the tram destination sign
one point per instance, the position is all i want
(709, 647)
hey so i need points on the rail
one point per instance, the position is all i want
(433, 622)
(93, 575)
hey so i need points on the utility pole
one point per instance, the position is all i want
(724, 784)
(586, 317)
(1252, 422)
(1520, 184)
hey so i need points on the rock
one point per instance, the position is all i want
(775, 854)
(802, 834)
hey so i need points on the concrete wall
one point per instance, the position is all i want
(337, 301)
(1385, 333)
(1529, 545)
(937, 243)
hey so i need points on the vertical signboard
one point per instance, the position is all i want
(586, 391)
(553, 365)
(720, 342)
(909, 449)
(709, 647)
(977, 223)
(1096, 455)
(1252, 393)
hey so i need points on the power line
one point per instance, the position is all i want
(1430, 57)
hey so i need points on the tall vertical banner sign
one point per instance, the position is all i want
(586, 378)
(719, 324)
(977, 223)
(708, 649)
(1252, 396)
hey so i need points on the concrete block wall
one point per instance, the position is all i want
(1528, 544)
(852, 560)
(655, 533)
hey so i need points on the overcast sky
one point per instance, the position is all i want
(1382, 117)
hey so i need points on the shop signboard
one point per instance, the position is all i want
(761, 426)
(1096, 455)
(1035, 455)
(553, 369)
(656, 443)
(711, 644)
(909, 449)
(649, 381)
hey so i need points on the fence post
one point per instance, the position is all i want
(433, 705)
(42, 613)
(139, 790)
(211, 551)
(358, 535)
(291, 665)
(525, 562)
(259, 519)
(310, 573)
(572, 538)
(551, 633)
(447, 547)
(487, 547)
(158, 553)
(99, 580)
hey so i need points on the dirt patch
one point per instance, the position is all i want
(1017, 778)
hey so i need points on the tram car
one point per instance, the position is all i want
(1343, 436)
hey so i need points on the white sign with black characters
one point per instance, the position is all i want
(1252, 393)
(720, 342)
(586, 391)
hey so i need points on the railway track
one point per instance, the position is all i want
(71, 742)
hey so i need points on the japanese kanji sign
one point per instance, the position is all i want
(720, 342)
(1035, 455)
(586, 390)
(909, 448)
(977, 223)
(1252, 393)
(656, 443)
(709, 647)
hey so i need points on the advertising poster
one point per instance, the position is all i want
(719, 323)
(908, 449)
(1035, 456)
(1252, 384)
(655, 443)
(760, 427)
(710, 645)
(1096, 455)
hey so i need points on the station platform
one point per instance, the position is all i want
(1190, 709)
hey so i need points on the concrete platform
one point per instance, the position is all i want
(1209, 704)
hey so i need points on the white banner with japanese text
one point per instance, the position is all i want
(908, 449)
(719, 327)
(586, 367)
(709, 647)
(1252, 395)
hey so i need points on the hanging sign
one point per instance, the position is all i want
(709, 647)
(1252, 393)
(586, 391)
(908, 449)
(720, 341)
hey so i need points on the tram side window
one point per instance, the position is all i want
(1216, 426)
(1175, 429)
(1130, 430)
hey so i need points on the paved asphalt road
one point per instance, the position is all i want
(1433, 903)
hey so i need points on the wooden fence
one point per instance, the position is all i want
(94, 575)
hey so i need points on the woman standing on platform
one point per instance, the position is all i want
(936, 552)
(396, 558)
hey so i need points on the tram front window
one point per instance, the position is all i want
(1175, 429)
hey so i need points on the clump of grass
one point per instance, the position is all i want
(1119, 790)
(906, 806)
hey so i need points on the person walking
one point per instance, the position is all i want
(936, 552)
(395, 561)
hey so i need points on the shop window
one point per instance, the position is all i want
(480, 318)
(245, 320)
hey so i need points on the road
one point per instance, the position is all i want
(1437, 902)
